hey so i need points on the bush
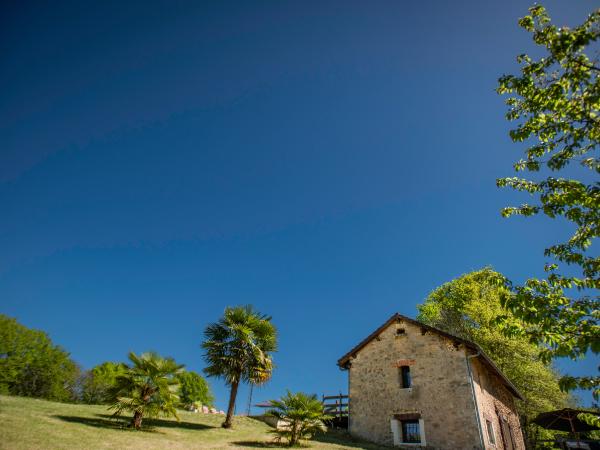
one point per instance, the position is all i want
(98, 382)
(194, 389)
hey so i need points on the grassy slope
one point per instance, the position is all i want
(38, 424)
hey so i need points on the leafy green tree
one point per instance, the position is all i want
(238, 349)
(555, 100)
(148, 388)
(302, 416)
(31, 365)
(469, 307)
(99, 382)
(194, 389)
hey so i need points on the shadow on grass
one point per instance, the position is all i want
(338, 437)
(98, 422)
(341, 437)
(260, 444)
(122, 423)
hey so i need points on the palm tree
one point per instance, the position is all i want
(147, 388)
(237, 348)
(301, 416)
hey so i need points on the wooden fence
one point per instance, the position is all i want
(335, 405)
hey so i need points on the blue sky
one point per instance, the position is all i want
(329, 162)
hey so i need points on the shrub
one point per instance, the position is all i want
(147, 388)
(98, 382)
(302, 416)
(194, 389)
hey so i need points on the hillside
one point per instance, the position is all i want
(38, 424)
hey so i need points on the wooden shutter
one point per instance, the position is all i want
(507, 438)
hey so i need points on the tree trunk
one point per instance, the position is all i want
(136, 422)
(295, 432)
(231, 407)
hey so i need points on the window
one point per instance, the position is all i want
(408, 429)
(411, 432)
(405, 380)
(490, 431)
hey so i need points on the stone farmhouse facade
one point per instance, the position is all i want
(416, 387)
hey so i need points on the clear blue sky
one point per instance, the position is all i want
(329, 162)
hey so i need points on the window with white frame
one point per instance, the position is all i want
(407, 429)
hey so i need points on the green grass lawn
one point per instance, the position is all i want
(38, 424)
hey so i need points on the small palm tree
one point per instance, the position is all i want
(147, 388)
(237, 348)
(301, 416)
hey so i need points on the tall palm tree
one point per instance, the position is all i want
(237, 348)
(147, 388)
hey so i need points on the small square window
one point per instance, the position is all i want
(411, 432)
(490, 431)
(405, 378)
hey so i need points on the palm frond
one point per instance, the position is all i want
(237, 346)
(148, 387)
(302, 415)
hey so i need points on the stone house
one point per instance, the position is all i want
(414, 386)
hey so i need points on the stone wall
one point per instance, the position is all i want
(441, 391)
(496, 404)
